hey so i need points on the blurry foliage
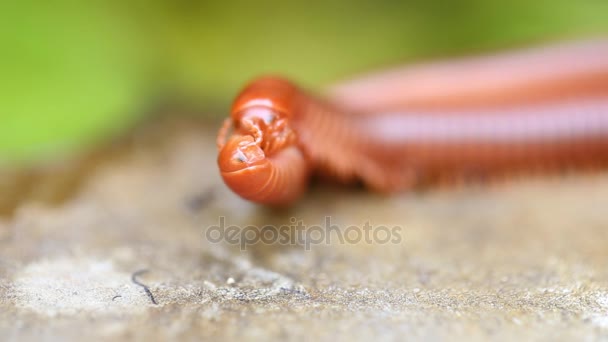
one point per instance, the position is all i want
(75, 71)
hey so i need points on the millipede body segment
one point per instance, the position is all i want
(541, 108)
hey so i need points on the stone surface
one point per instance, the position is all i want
(527, 259)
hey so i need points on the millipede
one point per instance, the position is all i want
(395, 130)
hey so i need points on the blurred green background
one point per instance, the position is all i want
(74, 72)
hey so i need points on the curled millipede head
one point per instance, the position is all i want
(259, 158)
(243, 165)
(239, 153)
(248, 172)
(262, 111)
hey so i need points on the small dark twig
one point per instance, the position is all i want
(201, 200)
(146, 288)
(117, 296)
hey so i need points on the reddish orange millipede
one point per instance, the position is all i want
(399, 129)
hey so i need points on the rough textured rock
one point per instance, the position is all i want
(522, 260)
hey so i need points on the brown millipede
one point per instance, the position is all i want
(399, 129)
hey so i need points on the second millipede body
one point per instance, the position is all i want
(541, 108)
